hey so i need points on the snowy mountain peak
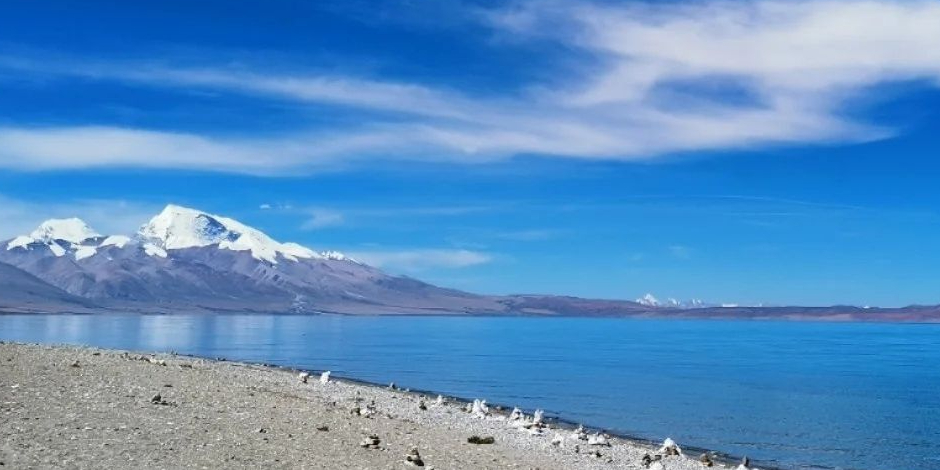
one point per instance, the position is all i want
(72, 230)
(176, 227)
(179, 227)
(648, 300)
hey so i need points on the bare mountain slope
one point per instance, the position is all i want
(23, 292)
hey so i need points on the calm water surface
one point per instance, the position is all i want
(795, 395)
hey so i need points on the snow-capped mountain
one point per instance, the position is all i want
(71, 230)
(180, 227)
(189, 259)
(59, 236)
(174, 228)
(185, 260)
(650, 300)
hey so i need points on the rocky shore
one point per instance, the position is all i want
(72, 407)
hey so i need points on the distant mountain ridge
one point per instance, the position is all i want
(187, 261)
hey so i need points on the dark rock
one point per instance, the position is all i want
(414, 458)
(481, 440)
(370, 442)
(158, 400)
(706, 460)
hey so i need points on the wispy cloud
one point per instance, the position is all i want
(680, 251)
(662, 78)
(422, 259)
(322, 218)
(530, 235)
(106, 216)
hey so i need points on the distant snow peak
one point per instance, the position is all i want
(59, 235)
(72, 230)
(179, 227)
(649, 300)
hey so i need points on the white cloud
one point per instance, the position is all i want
(660, 80)
(422, 259)
(322, 218)
(340, 90)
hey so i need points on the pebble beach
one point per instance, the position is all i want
(74, 407)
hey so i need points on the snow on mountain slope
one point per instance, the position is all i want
(116, 240)
(83, 252)
(154, 250)
(178, 227)
(21, 241)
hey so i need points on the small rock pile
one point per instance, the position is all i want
(481, 440)
(706, 460)
(158, 400)
(414, 458)
(371, 442)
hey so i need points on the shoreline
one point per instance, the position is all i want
(444, 429)
(643, 317)
(555, 422)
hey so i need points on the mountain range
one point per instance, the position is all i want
(189, 261)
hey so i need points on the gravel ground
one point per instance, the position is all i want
(71, 407)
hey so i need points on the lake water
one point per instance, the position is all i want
(794, 395)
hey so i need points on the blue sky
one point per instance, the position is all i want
(746, 152)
